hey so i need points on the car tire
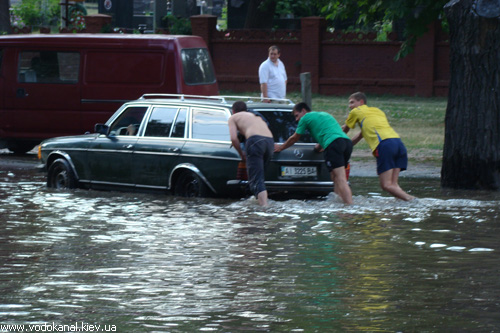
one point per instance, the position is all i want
(61, 175)
(189, 184)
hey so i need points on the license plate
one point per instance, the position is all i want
(298, 171)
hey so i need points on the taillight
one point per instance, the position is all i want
(241, 174)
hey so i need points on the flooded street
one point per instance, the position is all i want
(132, 262)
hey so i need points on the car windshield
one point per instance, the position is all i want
(282, 124)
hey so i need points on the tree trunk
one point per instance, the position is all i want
(471, 155)
(5, 16)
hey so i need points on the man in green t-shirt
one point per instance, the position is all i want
(335, 144)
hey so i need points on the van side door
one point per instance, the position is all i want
(45, 97)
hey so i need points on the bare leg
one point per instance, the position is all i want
(389, 183)
(262, 198)
(341, 187)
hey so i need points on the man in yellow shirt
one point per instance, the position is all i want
(385, 143)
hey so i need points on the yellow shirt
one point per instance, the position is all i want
(374, 125)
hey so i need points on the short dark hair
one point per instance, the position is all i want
(358, 96)
(239, 106)
(302, 105)
(274, 47)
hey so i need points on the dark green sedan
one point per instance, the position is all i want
(180, 144)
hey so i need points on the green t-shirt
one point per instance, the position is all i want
(322, 126)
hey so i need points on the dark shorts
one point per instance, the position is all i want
(391, 154)
(259, 151)
(338, 153)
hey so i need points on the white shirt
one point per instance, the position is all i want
(275, 77)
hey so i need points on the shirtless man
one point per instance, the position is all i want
(259, 146)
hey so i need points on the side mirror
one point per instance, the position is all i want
(101, 129)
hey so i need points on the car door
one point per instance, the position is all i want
(111, 155)
(158, 149)
(209, 147)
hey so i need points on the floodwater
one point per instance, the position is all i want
(133, 262)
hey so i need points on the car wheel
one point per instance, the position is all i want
(190, 184)
(60, 175)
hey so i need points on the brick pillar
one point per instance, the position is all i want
(424, 62)
(205, 27)
(95, 23)
(312, 34)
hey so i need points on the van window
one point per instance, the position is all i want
(129, 121)
(160, 122)
(210, 125)
(197, 66)
(49, 67)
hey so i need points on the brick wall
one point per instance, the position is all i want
(339, 63)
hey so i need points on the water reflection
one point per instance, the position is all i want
(152, 263)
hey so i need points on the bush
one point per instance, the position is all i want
(177, 25)
(35, 13)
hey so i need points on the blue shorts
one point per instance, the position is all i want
(391, 154)
(259, 151)
(338, 153)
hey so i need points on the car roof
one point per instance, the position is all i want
(219, 100)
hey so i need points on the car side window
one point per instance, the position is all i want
(160, 122)
(210, 125)
(129, 121)
(48, 67)
(180, 124)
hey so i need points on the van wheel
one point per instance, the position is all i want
(60, 175)
(19, 148)
(190, 185)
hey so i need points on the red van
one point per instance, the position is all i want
(63, 84)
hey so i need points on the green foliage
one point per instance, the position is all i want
(222, 22)
(177, 25)
(297, 8)
(37, 12)
(416, 15)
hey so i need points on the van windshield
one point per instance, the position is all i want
(197, 66)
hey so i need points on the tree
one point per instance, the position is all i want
(4, 16)
(260, 13)
(471, 155)
(413, 15)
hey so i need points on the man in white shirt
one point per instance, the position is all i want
(272, 76)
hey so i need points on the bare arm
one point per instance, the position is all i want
(290, 142)
(263, 89)
(233, 133)
(357, 138)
